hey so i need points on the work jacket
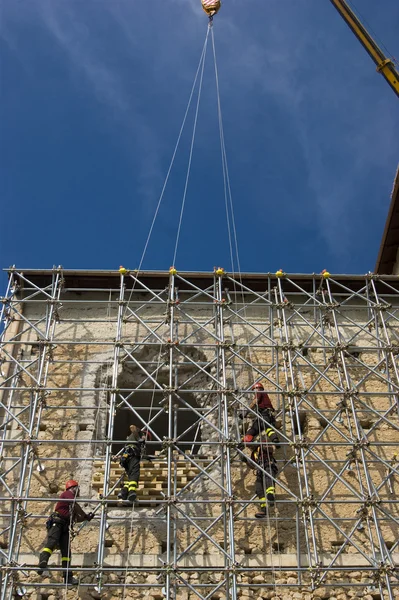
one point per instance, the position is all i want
(70, 510)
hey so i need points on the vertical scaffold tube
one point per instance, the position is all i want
(228, 508)
(110, 429)
(170, 436)
(17, 524)
(293, 400)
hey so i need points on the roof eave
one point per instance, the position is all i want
(386, 258)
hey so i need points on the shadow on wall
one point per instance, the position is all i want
(185, 425)
(142, 406)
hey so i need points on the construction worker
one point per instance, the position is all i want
(264, 487)
(59, 524)
(265, 418)
(130, 461)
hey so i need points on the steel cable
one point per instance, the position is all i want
(232, 227)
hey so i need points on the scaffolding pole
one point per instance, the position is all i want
(83, 354)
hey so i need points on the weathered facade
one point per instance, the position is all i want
(85, 354)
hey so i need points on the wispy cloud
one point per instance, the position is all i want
(275, 58)
(268, 53)
(97, 73)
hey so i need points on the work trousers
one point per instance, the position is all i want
(264, 482)
(132, 470)
(259, 424)
(57, 536)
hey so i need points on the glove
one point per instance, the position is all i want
(90, 516)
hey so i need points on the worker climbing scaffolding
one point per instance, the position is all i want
(263, 456)
(130, 461)
(59, 525)
(265, 418)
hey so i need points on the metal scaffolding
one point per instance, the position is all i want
(179, 353)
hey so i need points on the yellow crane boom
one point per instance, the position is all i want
(385, 65)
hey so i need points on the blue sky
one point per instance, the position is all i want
(93, 95)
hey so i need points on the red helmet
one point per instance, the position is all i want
(71, 483)
(258, 386)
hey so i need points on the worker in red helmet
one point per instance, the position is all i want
(265, 475)
(265, 419)
(67, 512)
(130, 461)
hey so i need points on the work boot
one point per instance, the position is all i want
(69, 579)
(261, 514)
(122, 494)
(270, 499)
(132, 497)
(42, 567)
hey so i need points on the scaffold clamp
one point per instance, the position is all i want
(302, 442)
(314, 572)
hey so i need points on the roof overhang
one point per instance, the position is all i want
(387, 254)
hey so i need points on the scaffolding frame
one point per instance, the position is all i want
(280, 329)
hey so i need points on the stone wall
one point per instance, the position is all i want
(75, 408)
